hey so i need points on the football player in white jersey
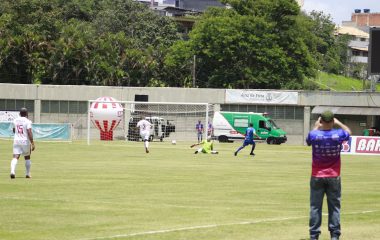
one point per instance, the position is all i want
(145, 127)
(23, 142)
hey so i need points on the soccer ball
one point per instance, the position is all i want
(174, 142)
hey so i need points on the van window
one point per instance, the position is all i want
(273, 124)
(264, 124)
(241, 122)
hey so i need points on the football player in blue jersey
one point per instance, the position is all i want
(249, 133)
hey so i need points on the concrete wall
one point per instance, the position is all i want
(297, 129)
(84, 93)
(294, 130)
(366, 19)
(351, 99)
(198, 95)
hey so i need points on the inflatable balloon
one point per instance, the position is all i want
(106, 114)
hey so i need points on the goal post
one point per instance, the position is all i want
(170, 120)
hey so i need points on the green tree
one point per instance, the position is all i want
(23, 28)
(79, 58)
(255, 44)
(150, 36)
(100, 42)
(331, 49)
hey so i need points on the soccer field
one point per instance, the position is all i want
(114, 190)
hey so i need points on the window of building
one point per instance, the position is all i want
(16, 104)
(355, 52)
(54, 106)
(279, 112)
(73, 107)
(275, 112)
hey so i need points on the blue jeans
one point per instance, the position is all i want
(199, 134)
(318, 188)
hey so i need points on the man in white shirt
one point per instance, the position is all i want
(145, 127)
(23, 142)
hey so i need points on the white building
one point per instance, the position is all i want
(358, 46)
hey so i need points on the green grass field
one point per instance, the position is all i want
(115, 190)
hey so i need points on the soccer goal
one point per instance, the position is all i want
(171, 121)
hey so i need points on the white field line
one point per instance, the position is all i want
(193, 228)
(215, 226)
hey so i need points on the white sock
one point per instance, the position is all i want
(28, 163)
(13, 165)
(146, 144)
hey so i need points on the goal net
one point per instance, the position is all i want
(117, 120)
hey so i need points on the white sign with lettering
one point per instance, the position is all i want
(8, 116)
(264, 97)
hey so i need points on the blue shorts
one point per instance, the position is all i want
(248, 142)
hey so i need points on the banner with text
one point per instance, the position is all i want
(8, 116)
(263, 97)
(362, 145)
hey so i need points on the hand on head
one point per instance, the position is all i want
(318, 123)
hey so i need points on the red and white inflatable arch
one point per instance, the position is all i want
(106, 115)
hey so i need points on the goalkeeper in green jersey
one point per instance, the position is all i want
(207, 146)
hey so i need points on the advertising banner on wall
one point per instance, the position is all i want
(8, 116)
(362, 145)
(41, 131)
(261, 97)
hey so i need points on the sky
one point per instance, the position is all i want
(340, 10)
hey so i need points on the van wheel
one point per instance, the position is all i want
(270, 141)
(151, 138)
(161, 139)
(223, 138)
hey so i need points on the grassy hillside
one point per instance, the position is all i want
(334, 82)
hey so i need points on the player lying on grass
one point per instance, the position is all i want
(207, 146)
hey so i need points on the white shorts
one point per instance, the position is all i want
(145, 136)
(23, 150)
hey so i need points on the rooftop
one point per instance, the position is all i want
(352, 31)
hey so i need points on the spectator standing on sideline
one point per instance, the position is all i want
(23, 142)
(199, 128)
(326, 145)
(210, 129)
